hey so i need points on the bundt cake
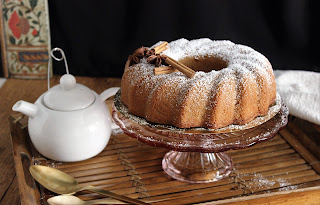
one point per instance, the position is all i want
(233, 84)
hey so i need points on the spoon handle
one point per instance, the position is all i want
(115, 201)
(114, 195)
(105, 201)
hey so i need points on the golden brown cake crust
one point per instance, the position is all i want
(233, 85)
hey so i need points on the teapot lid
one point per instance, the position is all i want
(68, 95)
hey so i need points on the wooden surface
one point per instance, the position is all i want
(284, 170)
(28, 90)
(281, 170)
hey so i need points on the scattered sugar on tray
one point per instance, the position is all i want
(260, 181)
(283, 182)
(288, 188)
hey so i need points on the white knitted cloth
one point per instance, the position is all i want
(300, 91)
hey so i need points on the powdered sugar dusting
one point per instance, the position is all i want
(240, 59)
(235, 55)
(273, 110)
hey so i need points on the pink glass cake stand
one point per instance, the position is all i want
(197, 155)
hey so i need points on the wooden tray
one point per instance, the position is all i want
(283, 170)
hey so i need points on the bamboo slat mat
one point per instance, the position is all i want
(128, 167)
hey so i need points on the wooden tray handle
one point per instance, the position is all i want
(29, 192)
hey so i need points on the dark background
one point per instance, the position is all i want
(97, 36)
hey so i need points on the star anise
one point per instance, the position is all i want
(140, 52)
(150, 52)
(133, 59)
(152, 55)
(157, 59)
(137, 55)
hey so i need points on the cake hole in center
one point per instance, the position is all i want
(205, 63)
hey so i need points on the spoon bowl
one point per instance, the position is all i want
(54, 180)
(73, 200)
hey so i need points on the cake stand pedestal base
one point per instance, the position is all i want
(196, 167)
(198, 155)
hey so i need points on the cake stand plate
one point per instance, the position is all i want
(197, 155)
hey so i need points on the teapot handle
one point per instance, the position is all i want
(109, 93)
(63, 57)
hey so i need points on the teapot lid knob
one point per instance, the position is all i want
(68, 95)
(67, 82)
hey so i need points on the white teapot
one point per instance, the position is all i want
(69, 122)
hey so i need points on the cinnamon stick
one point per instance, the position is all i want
(160, 48)
(127, 64)
(181, 67)
(164, 70)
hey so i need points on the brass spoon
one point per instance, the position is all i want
(73, 200)
(62, 183)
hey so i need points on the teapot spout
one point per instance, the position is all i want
(25, 108)
(108, 93)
